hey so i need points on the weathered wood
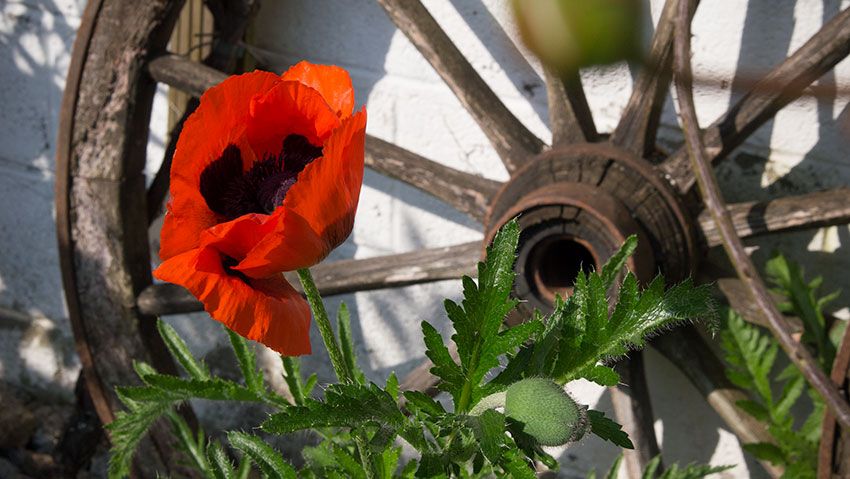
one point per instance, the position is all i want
(834, 449)
(468, 193)
(713, 200)
(344, 276)
(634, 411)
(231, 19)
(782, 85)
(100, 194)
(569, 114)
(687, 350)
(639, 123)
(179, 72)
(513, 142)
(753, 218)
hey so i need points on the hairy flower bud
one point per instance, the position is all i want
(546, 411)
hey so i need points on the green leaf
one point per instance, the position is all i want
(388, 462)
(128, 429)
(489, 430)
(615, 467)
(424, 403)
(754, 409)
(587, 335)
(444, 366)
(617, 262)
(347, 462)
(751, 354)
(343, 321)
(477, 322)
(608, 429)
(219, 463)
(392, 386)
(765, 451)
(192, 447)
(516, 466)
(292, 377)
(651, 468)
(346, 405)
(181, 352)
(170, 388)
(602, 375)
(247, 362)
(266, 458)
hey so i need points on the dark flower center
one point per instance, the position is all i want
(228, 263)
(231, 192)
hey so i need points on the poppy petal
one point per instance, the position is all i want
(218, 122)
(331, 81)
(289, 108)
(292, 245)
(267, 310)
(328, 190)
(235, 238)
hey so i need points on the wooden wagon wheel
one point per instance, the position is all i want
(579, 196)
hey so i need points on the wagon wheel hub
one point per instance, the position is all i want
(576, 206)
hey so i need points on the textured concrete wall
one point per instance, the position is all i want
(410, 106)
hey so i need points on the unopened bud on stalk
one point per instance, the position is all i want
(547, 412)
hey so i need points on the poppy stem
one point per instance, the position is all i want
(343, 374)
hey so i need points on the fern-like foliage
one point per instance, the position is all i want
(753, 355)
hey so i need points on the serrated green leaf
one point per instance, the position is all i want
(292, 377)
(346, 405)
(516, 466)
(765, 451)
(172, 388)
(424, 402)
(409, 470)
(244, 468)
(590, 336)
(267, 459)
(190, 445)
(790, 393)
(347, 462)
(388, 462)
(343, 321)
(220, 465)
(128, 429)
(602, 375)
(444, 366)
(608, 429)
(181, 352)
(392, 386)
(489, 430)
(617, 262)
(247, 362)
(754, 409)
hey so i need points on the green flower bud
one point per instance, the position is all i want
(546, 411)
(569, 34)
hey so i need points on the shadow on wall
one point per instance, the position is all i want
(36, 39)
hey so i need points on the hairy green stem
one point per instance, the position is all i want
(343, 374)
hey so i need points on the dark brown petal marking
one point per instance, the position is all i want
(298, 153)
(218, 175)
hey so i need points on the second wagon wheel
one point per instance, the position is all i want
(579, 197)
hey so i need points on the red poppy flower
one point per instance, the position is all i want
(265, 178)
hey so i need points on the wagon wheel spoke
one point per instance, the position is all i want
(753, 218)
(638, 126)
(513, 142)
(468, 193)
(569, 114)
(344, 276)
(782, 85)
(186, 75)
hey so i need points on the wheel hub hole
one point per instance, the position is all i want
(555, 262)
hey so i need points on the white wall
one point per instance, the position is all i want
(410, 106)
